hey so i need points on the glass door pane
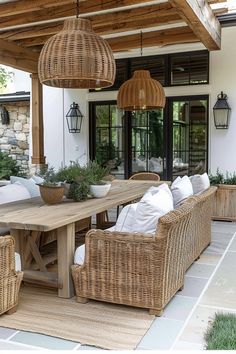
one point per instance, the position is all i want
(147, 142)
(109, 136)
(190, 131)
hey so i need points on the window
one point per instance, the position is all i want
(189, 69)
(156, 66)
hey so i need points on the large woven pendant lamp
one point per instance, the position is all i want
(141, 92)
(76, 57)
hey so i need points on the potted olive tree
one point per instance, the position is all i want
(225, 201)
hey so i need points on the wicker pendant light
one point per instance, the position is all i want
(141, 92)
(76, 57)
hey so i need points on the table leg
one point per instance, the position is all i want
(20, 244)
(65, 249)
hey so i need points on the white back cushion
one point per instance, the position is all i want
(37, 179)
(150, 208)
(181, 189)
(30, 184)
(13, 192)
(200, 183)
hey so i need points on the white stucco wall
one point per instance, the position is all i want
(61, 147)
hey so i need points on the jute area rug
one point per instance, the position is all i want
(95, 323)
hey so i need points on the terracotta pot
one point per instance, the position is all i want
(51, 195)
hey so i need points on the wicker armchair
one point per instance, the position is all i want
(146, 176)
(10, 280)
(135, 269)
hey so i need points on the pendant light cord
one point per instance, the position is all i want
(141, 38)
(77, 9)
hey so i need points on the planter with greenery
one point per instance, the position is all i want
(99, 179)
(225, 201)
(51, 190)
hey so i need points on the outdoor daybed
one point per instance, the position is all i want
(145, 270)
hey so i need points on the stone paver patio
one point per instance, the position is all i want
(210, 286)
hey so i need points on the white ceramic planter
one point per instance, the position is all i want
(100, 190)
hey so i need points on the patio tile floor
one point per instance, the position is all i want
(210, 286)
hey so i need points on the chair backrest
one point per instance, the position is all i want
(146, 176)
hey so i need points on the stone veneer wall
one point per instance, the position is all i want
(14, 138)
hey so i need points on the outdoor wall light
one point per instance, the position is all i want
(5, 116)
(74, 118)
(221, 111)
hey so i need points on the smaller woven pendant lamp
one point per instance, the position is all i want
(141, 92)
(76, 57)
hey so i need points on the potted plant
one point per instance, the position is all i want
(69, 175)
(99, 179)
(225, 201)
(51, 190)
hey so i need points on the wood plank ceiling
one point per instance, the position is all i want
(25, 25)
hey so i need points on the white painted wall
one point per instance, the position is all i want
(61, 147)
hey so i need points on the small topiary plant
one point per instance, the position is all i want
(8, 166)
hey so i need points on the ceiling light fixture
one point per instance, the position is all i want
(141, 92)
(76, 57)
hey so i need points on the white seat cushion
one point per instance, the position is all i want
(200, 183)
(79, 255)
(17, 262)
(181, 189)
(13, 192)
(30, 184)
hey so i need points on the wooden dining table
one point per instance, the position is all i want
(27, 219)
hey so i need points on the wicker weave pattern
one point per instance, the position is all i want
(9, 279)
(76, 58)
(145, 271)
(141, 92)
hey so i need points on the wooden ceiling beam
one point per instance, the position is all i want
(24, 6)
(155, 38)
(18, 57)
(85, 6)
(201, 19)
(127, 20)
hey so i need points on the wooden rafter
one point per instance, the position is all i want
(200, 17)
(18, 57)
(131, 19)
(154, 38)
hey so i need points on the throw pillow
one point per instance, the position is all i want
(125, 220)
(200, 183)
(150, 209)
(13, 192)
(28, 183)
(181, 189)
(37, 179)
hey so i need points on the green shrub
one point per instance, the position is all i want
(221, 333)
(219, 178)
(8, 166)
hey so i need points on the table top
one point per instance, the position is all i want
(33, 214)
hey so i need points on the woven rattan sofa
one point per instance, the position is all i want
(10, 280)
(145, 270)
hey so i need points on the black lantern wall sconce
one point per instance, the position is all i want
(5, 119)
(74, 118)
(221, 111)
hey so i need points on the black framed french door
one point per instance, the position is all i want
(170, 142)
(187, 120)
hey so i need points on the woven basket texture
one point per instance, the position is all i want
(9, 279)
(76, 57)
(141, 92)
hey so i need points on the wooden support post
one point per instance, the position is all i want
(38, 157)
